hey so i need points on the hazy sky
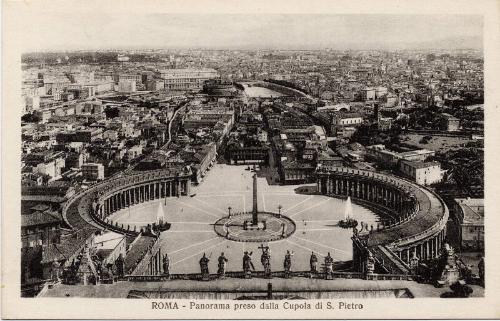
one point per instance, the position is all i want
(104, 31)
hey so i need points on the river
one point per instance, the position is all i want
(260, 92)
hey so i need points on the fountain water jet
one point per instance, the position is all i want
(348, 221)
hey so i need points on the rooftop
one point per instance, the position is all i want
(472, 210)
(40, 218)
(417, 152)
(449, 117)
(137, 251)
(122, 289)
(348, 115)
(418, 165)
(108, 240)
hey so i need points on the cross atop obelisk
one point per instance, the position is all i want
(254, 208)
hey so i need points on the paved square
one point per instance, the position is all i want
(192, 232)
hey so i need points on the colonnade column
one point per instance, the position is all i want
(438, 242)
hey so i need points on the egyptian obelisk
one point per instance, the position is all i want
(254, 208)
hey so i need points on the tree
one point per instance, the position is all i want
(403, 121)
(30, 118)
(112, 112)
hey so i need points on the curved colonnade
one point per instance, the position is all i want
(98, 202)
(87, 211)
(135, 190)
(414, 217)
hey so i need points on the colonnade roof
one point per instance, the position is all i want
(142, 177)
(431, 210)
(71, 243)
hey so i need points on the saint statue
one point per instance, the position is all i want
(480, 266)
(120, 265)
(222, 265)
(414, 262)
(247, 263)
(204, 266)
(287, 263)
(313, 262)
(265, 259)
(328, 265)
(55, 271)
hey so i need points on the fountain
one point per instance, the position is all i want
(348, 208)
(160, 214)
(161, 224)
(348, 221)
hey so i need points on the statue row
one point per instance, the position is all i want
(248, 265)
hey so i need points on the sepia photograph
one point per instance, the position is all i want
(250, 161)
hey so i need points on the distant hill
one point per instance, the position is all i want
(451, 43)
(454, 43)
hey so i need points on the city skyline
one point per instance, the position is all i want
(240, 159)
(175, 167)
(255, 32)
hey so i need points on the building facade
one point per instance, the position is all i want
(186, 79)
(93, 171)
(470, 215)
(423, 173)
